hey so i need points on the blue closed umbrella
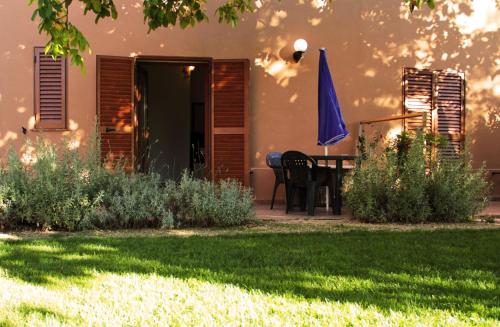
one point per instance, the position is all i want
(331, 126)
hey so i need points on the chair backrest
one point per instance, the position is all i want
(273, 159)
(298, 168)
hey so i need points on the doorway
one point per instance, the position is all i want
(130, 122)
(173, 117)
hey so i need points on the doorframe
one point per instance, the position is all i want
(209, 98)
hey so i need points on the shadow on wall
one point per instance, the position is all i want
(462, 36)
(369, 42)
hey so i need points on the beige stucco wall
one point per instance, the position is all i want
(368, 42)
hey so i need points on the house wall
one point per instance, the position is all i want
(368, 43)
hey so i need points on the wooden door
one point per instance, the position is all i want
(115, 109)
(230, 123)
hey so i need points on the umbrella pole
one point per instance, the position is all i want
(327, 188)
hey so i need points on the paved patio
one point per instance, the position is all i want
(278, 213)
(263, 212)
(492, 210)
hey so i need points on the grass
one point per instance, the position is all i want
(338, 277)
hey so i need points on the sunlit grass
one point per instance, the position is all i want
(445, 277)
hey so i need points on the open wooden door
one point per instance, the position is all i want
(115, 103)
(230, 123)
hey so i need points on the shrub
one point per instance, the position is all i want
(61, 189)
(407, 200)
(234, 205)
(367, 190)
(51, 192)
(408, 182)
(130, 201)
(204, 203)
(456, 191)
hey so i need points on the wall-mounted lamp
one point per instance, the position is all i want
(300, 46)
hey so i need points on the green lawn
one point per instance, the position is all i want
(337, 277)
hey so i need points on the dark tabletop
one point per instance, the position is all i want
(334, 157)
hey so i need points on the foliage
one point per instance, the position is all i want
(409, 182)
(456, 191)
(414, 4)
(130, 201)
(51, 192)
(67, 40)
(407, 199)
(332, 276)
(201, 202)
(63, 190)
(367, 190)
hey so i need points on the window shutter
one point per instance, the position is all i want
(230, 120)
(115, 83)
(450, 105)
(417, 97)
(50, 91)
(441, 95)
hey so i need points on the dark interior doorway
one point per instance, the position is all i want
(172, 111)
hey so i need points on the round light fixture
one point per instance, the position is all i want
(300, 45)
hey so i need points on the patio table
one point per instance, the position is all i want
(338, 175)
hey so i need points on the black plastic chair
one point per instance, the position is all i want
(273, 160)
(301, 173)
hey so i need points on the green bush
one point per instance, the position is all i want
(367, 190)
(409, 182)
(201, 202)
(62, 190)
(130, 201)
(235, 204)
(407, 200)
(456, 191)
(51, 192)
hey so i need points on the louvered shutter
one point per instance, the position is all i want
(50, 91)
(441, 95)
(450, 105)
(115, 83)
(417, 97)
(230, 120)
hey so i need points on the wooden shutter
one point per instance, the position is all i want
(230, 120)
(441, 95)
(450, 105)
(50, 91)
(115, 83)
(417, 97)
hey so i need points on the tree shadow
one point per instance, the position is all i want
(29, 310)
(392, 271)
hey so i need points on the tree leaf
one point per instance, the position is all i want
(96, 4)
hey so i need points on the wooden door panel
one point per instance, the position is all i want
(115, 85)
(230, 122)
